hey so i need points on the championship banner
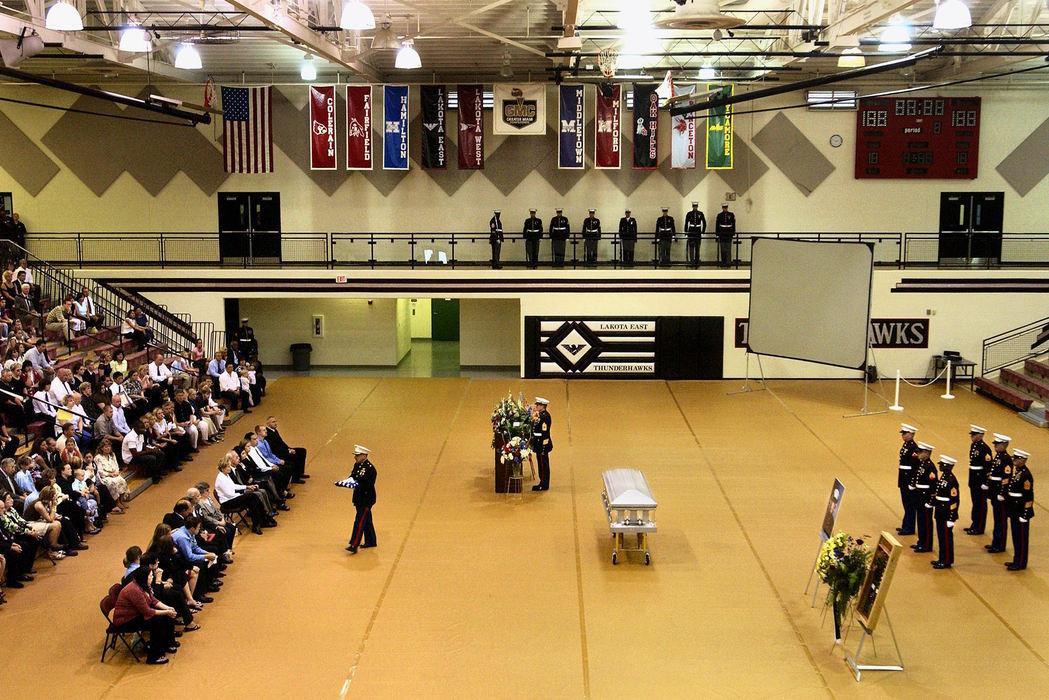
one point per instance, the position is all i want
(358, 127)
(570, 118)
(322, 128)
(646, 126)
(608, 130)
(433, 104)
(395, 130)
(683, 136)
(719, 132)
(471, 127)
(519, 109)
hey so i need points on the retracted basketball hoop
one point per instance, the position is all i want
(606, 61)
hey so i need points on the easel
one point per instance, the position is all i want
(865, 411)
(746, 381)
(853, 659)
(816, 590)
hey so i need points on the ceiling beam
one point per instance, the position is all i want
(300, 33)
(571, 15)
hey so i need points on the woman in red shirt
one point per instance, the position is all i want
(137, 609)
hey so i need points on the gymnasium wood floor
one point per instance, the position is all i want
(469, 595)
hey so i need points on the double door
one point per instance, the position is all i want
(971, 227)
(249, 227)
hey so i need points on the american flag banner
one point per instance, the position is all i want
(247, 129)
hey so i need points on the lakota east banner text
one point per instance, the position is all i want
(519, 109)
(322, 128)
(359, 127)
(607, 127)
(570, 129)
(646, 126)
(433, 109)
(395, 131)
(471, 127)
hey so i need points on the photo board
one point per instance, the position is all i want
(831, 515)
(876, 584)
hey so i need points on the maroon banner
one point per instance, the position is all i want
(322, 127)
(358, 127)
(608, 139)
(471, 127)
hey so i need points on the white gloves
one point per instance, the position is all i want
(1023, 520)
(950, 523)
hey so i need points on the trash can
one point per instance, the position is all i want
(300, 356)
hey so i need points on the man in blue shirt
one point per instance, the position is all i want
(217, 366)
(185, 539)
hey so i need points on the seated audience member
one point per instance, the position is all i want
(185, 539)
(9, 481)
(185, 418)
(25, 477)
(30, 535)
(137, 388)
(137, 454)
(174, 442)
(84, 496)
(118, 363)
(258, 463)
(105, 429)
(68, 415)
(87, 403)
(85, 311)
(43, 409)
(37, 355)
(205, 424)
(108, 472)
(198, 357)
(45, 510)
(234, 496)
(132, 560)
(213, 411)
(233, 354)
(245, 386)
(9, 289)
(18, 555)
(131, 332)
(206, 539)
(185, 374)
(182, 575)
(241, 473)
(230, 389)
(57, 320)
(143, 323)
(12, 399)
(217, 366)
(168, 592)
(90, 374)
(61, 385)
(166, 452)
(177, 517)
(25, 310)
(68, 449)
(8, 443)
(121, 422)
(257, 377)
(137, 609)
(211, 515)
(24, 274)
(161, 376)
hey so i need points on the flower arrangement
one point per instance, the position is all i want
(842, 565)
(512, 422)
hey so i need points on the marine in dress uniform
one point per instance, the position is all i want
(495, 238)
(628, 237)
(996, 488)
(695, 227)
(908, 461)
(363, 500)
(245, 337)
(665, 230)
(945, 510)
(591, 235)
(560, 230)
(923, 481)
(725, 228)
(533, 231)
(542, 445)
(1020, 502)
(979, 464)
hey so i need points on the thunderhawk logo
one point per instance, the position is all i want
(572, 347)
(430, 126)
(465, 126)
(355, 129)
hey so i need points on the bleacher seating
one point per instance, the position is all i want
(1005, 394)
(1037, 368)
(1024, 383)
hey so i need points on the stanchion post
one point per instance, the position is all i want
(896, 401)
(948, 395)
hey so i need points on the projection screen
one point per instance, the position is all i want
(810, 300)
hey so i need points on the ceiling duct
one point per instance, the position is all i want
(698, 14)
(217, 38)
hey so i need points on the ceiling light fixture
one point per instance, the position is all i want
(852, 58)
(633, 16)
(952, 14)
(356, 15)
(895, 38)
(135, 40)
(188, 58)
(308, 70)
(707, 72)
(63, 17)
(408, 58)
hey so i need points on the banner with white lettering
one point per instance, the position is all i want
(471, 127)
(891, 333)
(719, 132)
(358, 127)
(433, 107)
(519, 109)
(646, 126)
(395, 131)
(608, 129)
(683, 135)
(570, 129)
(322, 128)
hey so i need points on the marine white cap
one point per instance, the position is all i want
(998, 437)
(976, 430)
(907, 428)
(244, 320)
(497, 211)
(944, 459)
(591, 210)
(559, 209)
(533, 209)
(695, 204)
(665, 208)
(540, 400)
(1021, 453)
(925, 447)
(361, 450)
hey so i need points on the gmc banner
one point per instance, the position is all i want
(891, 333)
(645, 126)
(471, 127)
(322, 128)
(683, 136)
(433, 102)
(395, 131)
(519, 109)
(570, 120)
(358, 127)
(607, 130)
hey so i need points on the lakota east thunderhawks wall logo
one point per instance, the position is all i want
(597, 347)
(519, 112)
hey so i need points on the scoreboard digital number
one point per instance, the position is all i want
(918, 137)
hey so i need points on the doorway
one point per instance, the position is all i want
(444, 319)
(249, 227)
(971, 228)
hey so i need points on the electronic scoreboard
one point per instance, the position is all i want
(918, 137)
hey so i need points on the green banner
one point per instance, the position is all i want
(719, 132)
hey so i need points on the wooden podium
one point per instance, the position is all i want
(502, 471)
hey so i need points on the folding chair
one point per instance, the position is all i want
(239, 516)
(113, 633)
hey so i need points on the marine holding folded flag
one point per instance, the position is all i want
(519, 109)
